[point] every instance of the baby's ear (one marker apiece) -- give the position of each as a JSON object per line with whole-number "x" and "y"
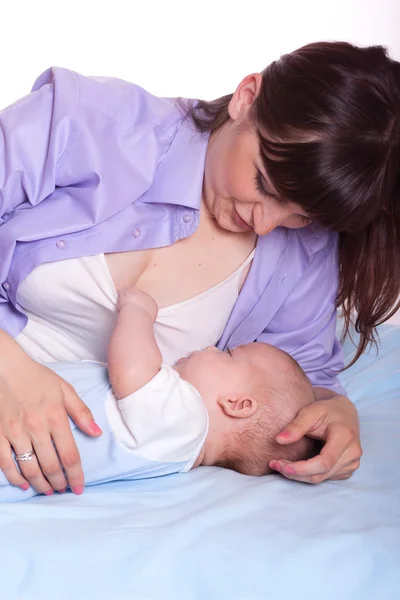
{"x": 240, "y": 408}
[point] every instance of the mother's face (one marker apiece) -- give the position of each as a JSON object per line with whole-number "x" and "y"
{"x": 237, "y": 191}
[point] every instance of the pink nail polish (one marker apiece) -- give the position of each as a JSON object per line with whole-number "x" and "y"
{"x": 94, "y": 428}
{"x": 283, "y": 434}
{"x": 24, "y": 486}
{"x": 78, "y": 489}
{"x": 290, "y": 470}
{"x": 49, "y": 493}
{"x": 62, "y": 491}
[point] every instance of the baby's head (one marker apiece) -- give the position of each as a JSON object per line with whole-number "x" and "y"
{"x": 251, "y": 393}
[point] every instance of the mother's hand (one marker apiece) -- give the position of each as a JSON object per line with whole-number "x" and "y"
{"x": 34, "y": 404}
{"x": 334, "y": 421}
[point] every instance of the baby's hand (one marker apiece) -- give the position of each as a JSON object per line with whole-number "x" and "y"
{"x": 139, "y": 300}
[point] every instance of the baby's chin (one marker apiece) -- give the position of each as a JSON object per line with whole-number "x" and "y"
{"x": 181, "y": 367}
{"x": 180, "y": 361}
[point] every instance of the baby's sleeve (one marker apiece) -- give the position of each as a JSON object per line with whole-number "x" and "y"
{"x": 168, "y": 419}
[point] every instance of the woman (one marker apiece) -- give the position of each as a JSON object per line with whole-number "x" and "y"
{"x": 104, "y": 186}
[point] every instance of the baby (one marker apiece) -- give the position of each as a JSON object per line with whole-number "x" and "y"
{"x": 211, "y": 408}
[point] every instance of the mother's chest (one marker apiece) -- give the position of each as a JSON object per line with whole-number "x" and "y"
{"x": 183, "y": 270}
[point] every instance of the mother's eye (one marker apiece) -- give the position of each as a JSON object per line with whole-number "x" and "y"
{"x": 259, "y": 182}
{"x": 305, "y": 220}
{"x": 264, "y": 188}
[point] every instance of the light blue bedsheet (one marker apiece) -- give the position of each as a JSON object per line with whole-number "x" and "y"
{"x": 216, "y": 535}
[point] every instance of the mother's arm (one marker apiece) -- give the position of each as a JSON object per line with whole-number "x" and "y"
{"x": 37, "y": 135}
{"x": 305, "y": 327}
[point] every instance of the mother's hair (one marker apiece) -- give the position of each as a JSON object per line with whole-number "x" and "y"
{"x": 328, "y": 119}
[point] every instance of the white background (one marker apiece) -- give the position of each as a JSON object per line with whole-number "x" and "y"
{"x": 192, "y": 48}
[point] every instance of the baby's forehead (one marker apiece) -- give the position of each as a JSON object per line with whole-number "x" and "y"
{"x": 266, "y": 352}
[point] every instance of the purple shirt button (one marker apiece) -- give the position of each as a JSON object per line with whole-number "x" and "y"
{"x": 6, "y": 286}
{"x": 136, "y": 233}
{"x": 60, "y": 244}
{"x": 186, "y": 218}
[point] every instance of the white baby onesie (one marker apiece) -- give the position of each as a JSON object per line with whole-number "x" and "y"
{"x": 164, "y": 421}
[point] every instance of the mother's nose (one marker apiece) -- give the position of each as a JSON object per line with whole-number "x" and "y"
{"x": 270, "y": 218}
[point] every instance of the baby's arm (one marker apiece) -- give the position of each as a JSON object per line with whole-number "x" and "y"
{"x": 133, "y": 355}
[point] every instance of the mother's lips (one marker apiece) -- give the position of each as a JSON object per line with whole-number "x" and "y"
{"x": 239, "y": 221}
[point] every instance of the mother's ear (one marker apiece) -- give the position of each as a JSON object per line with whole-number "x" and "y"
{"x": 244, "y": 96}
{"x": 242, "y": 408}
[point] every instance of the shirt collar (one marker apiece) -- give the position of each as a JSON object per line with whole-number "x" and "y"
{"x": 179, "y": 178}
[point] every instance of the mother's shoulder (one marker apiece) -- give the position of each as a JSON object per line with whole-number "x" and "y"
{"x": 125, "y": 103}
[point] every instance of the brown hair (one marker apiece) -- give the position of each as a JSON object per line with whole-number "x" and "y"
{"x": 328, "y": 119}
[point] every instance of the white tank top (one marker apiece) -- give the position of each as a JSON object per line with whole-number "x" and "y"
{"x": 71, "y": 310}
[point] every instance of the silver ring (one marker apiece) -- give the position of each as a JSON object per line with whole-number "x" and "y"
{"x": 25, "y": 456}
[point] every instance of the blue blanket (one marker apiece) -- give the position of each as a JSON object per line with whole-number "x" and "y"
{"x": 217, "y": 535}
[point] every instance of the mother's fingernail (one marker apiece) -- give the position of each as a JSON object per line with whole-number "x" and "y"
{"x": 62, "y": 491}
{"x": 24, "y": 486}
{"x": 78, "y": 489}
{"x": 49, "y": 493}
{"x": 94, "y": 428}
{"x": 283, "y": 434}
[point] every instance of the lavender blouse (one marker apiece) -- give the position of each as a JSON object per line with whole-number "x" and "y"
{"x": 91, "y": 165}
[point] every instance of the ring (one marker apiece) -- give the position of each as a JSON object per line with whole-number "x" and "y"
{"x": 26, "y": 456}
